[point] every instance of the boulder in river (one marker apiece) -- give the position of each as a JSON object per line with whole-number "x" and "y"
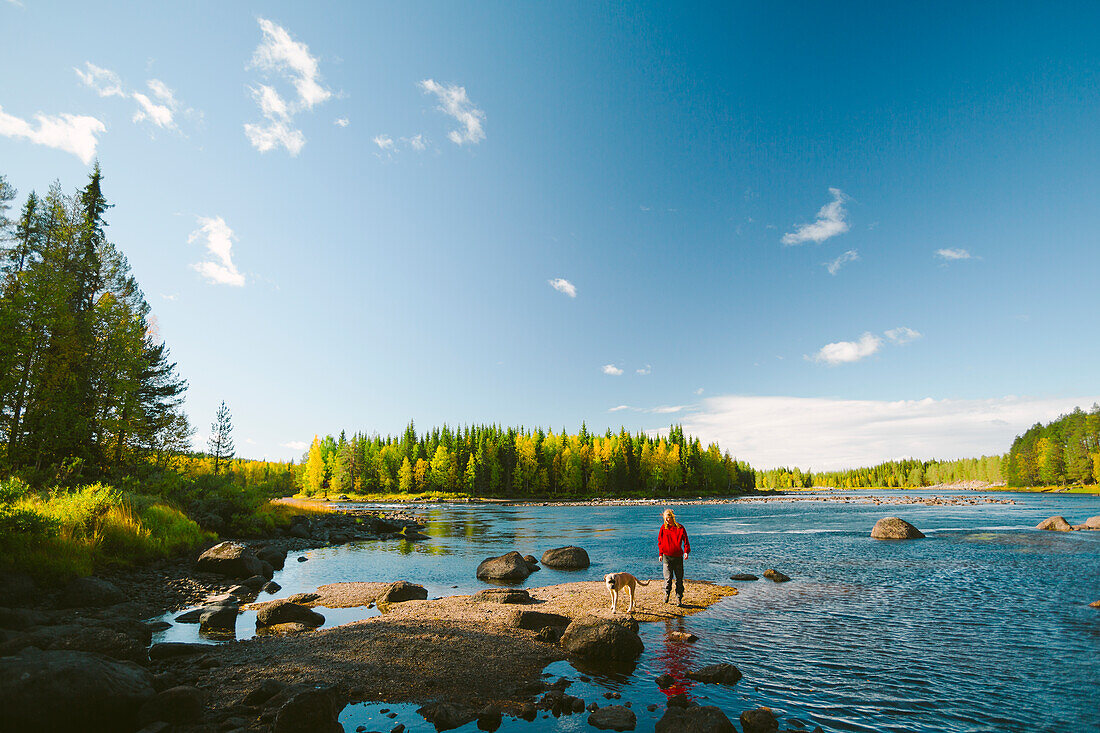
{"x": 70, "y": 690}
{"x": 510, "y": 568}
{"x": 1055, "y": 524}
{"x": 273, "y": 556}
{"x": 744, "y": 576}
{"x": 1095, "y": 604}
{"x": 721, "y": 673}
{"x": 286, "y": 612}
{"x": 1092, "y": 523}
{"x": 776, "y": 576}
{"x": 83, "y": 592}
{"x": 694, "y": 719}
{"x": 501, "y": 595}
{"x": 401, "y": 591}
{"x": 218, "y": 620}
{"x": 893, "y": 528}
{"x": 760, "y": 720}
{"x": 665, "y": 681}
{"x": 566, "y": 558}
{"x": 613, "y": 717}
{"x": 445, "y": 716}
{"x": 311, "y": 711}
{"x": 271, "y": 587}
{"x": 599, "y": 639}
{"x": 231, "y": 559}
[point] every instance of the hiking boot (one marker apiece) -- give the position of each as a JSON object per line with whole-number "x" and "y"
{"x": 667, "y": 594}
{"x": 679, "y": 600}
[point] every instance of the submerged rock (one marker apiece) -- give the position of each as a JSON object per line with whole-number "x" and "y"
{"x": 566, "y": 558}
{"x": 510, "y": 568}
{"x": 760, "y": 720}
{"x": 744, "y": 576}
{"x": 602, "y": 640}
{"x": 776, "y": 576}
{"x": 707, "y": 719}
{"x": 613, "y": 717}
{"x": 893, "y": 528}
{"x": 722, "y": 673}
{"x": 1055, "y": 524}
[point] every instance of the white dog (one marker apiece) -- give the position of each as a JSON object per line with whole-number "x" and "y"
{"x": 616, "y": 583}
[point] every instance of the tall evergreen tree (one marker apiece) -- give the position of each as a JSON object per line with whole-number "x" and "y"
{"x": 220, "y": 443}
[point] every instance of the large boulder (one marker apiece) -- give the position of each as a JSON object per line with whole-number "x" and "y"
{"x": 445, "y": 716}
{"x": 401, "y": 591}
{"x": 83, "y": 592}
{"x": 744, "y": 576}
{"x": 722, "y": 673}
{"x": 74, "y": 637}
{"x": 286, "y": 612}
{"x": 68, "y": 690}
{"x": 599, "y": 639}
{"x": 706, "y": 719}
{"x": 219, "y": 620}
{"x": 232, "y": 560}
{"x": 510, "y": 568}
{"x": 537, "y": 620}
{"x": 1092, "y": 523}
{"x": 273, "y": 556}
{"x": 176, "y": 705}
{"x": 613, "y": 717}
{"x": 566, "y": 558}
{"x": 893, "y": 528}
{"x": 311, "y": 711}
{"x": 775, "y": 576}
{"x": 760, "y": 720}
{"x": 1056, "y": 524}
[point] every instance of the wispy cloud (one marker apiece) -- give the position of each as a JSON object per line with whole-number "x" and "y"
{"x": 951, "y": 255}
{"x": 219, "y": 268}
{"x": 902, "y": 335}
{"x": 159, "y": 109}
{"x": 647, "y": 369}
{"x": 834, "y": 266}
{"x": 699, "y": 391}
{"x": 341, "y": 122}
{"x": 829, "y": 434}
{"x": 846, "y": 352}
{"x": 454, "y": 102}
{"x": 298, "y": 445}
{"x": 280, "y": 56}
{"x": 170, "y": 296}
{"x": 74, "y": 134}
{"x": 563, "y": 286}
{"x": 611, "y": 370}
{"x": 384, "y": 142}
{"x": 660, "y": 410}
{"x": 830, "y": 222}
{"x": 418, "y": 143}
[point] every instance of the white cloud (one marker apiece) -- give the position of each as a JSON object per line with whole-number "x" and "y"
{"x": 454, "y": 102}
{"x": 620, "y": 408}
{"x": 951, "y": 255}
{"x": 830, "y": 222}
{"x": 74, "y": 134}
{"x": 280, "y": 55}
{"x": 104, "y": 81}
{"x": 418, "y": 143}
{"x": 385, "y": 142}
{"x": 830, "y": 434}
{"x": 834, "y": 266}
{"x": 342, "y": 122}
{"x": 107, "y": 83}
{"x": 699, "y": 391}
{"x": 298, "y": 445}
{"x": 611, "y": 370}
{"x": 661, "y": 410}
{"x": 172, "y": 296}
{"x": 903, "y": 335}
{"x": 644, "y": 370}
{"x": 563, "y": 286}
{"x": 219, "y": 238}
{"x": 845, "y": 352}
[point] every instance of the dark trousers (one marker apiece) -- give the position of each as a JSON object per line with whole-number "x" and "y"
{"x": 673, "y": 566}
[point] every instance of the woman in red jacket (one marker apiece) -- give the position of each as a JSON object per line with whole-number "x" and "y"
{"x": 670, "y": 539}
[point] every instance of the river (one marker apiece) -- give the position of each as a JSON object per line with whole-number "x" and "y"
{"x": 982, "y": 626}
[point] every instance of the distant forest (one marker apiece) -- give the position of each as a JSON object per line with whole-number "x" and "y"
{"x": 489, "y": 460}
{"x": 1065, "y": 451}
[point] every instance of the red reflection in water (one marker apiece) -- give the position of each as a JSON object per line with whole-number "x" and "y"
{"x": 677, "y": 658}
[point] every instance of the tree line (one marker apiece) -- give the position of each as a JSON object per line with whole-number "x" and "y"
{"x": 1064, "y": 451}
{"x": 489, "y": 460}
{"x": 908, "y": 473}
{"x": 85, "y": 381}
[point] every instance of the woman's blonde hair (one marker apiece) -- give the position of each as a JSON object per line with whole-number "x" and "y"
{"x": 668, "y": 514}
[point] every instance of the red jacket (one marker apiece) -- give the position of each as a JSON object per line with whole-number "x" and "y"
{"x": 669, "y": 540}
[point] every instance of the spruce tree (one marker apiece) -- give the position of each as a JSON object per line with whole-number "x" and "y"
{"x": 220, "y": 443}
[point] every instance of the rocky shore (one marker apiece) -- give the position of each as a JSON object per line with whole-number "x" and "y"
{"x": 822, "y": 496}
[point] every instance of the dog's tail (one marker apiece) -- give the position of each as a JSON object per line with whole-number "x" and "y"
{"x": 643, "y": 582}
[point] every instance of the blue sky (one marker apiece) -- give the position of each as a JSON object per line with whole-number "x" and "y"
{"x": 821, "y": 235}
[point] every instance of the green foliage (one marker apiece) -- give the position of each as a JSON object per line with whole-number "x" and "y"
{"x": 1064, "y": 451}
{"x": 489, "y": 460}
{"x": 908, "y": 473}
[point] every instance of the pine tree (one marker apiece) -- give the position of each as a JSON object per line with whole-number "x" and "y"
{"x": 220, "y": 443}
